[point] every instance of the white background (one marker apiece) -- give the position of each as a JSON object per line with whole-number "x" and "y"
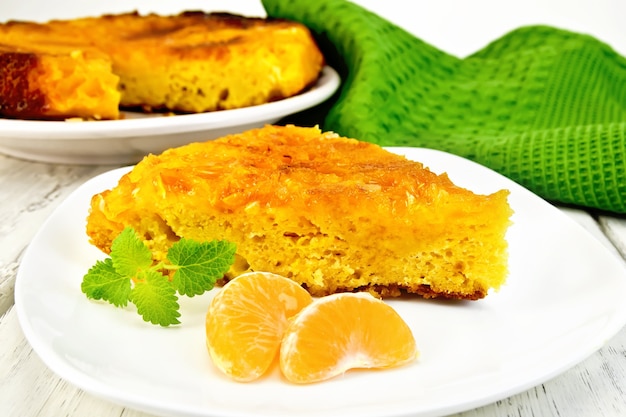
{"x": 456, "y": 26}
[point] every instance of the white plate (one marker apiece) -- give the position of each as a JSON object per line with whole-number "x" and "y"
{"x": 126, "y": 141}
{"x": 563, "y": 300}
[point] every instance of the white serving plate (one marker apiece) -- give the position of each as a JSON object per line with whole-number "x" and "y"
{"x": 126, "y": 141}
{"x": 562, "y": 301}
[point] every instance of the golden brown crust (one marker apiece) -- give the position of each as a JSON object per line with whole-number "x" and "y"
{"x": 16, "y": 98}
{"x": 190, "y": 62}
{"x": 332, "y": 213}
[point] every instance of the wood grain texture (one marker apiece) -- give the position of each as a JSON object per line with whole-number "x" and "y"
{"x": 615, "y": 230}
{"x": 29, "y": 192}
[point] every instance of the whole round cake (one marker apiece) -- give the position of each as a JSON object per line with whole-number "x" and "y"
{"x": 191, "y": 62}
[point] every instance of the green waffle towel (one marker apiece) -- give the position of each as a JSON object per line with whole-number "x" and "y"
{"x": 543, "y": 106}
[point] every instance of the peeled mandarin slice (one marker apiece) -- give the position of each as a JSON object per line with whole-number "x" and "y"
{"x": 341, "y": 332}
{"x": 246, "y": 320}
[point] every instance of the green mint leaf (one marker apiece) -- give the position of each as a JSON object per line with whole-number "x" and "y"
{"x": 103, "y": 282}
{"x": 156, "y": 299}
{"x": 200, "y": 264}
{"x": 131, "y": 275}
{"x": 130, "y": 255}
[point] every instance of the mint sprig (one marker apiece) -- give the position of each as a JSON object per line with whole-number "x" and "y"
{"x": 130, "y": 275}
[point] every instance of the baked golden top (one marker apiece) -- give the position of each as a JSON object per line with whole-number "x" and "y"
{"x": 332, "y": 213}
{"x": 299, "y": 168}
{"x": 190, "y": 62}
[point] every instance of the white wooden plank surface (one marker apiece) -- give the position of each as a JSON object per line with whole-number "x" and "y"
{"x": 29, "y": 192}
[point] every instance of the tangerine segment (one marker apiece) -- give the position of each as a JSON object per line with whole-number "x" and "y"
{"x": 341, "y": 332}
{"x": 246, "y": 320}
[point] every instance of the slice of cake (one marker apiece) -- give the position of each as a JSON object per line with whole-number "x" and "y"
{"x": 332, "y": 213}
{"x": 190, "y": 62}
{"x": 57, "y": 83}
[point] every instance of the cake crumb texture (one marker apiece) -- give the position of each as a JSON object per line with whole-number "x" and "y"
{"x": 332, "y": 213}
